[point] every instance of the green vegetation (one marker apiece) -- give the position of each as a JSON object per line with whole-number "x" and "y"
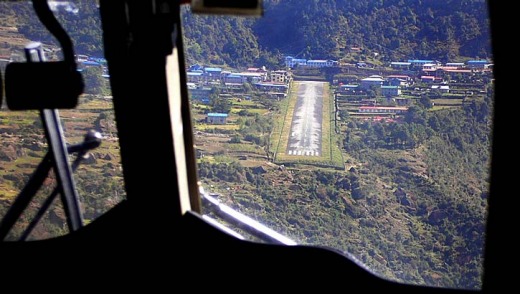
{"x": 84, "y": 28}
{"x": 399, "y": 208}
{"x": 279, "y": 122}
{"x": 284, "y": 123}
{"x": 95, "y": 83}
{"x": 395, "y": 30}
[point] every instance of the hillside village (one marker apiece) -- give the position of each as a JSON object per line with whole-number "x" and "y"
{"x": 361, "y": 89}
{"x": 365, "y": 84}
{"x": 390, "y": 93}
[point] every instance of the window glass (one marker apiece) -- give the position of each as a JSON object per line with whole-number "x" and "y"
{"x": 362, "y": 126}
{"x": 98, "y": 177}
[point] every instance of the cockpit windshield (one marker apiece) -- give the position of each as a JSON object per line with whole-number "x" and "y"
{"x": 360, "y": 126}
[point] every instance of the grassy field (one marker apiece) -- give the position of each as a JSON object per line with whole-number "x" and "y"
{"x": 282, "y": 125}
{"x": 446, "y": 103}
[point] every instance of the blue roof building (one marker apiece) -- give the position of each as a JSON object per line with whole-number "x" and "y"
{"x": 216, "y": 118}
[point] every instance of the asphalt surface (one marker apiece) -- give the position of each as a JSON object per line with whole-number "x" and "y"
{"x": 306, "y": 129}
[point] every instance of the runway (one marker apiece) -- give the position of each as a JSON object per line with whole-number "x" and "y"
{"x": 306, "y": 128}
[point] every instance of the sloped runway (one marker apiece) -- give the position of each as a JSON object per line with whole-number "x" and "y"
{"x": 306, "y": 128}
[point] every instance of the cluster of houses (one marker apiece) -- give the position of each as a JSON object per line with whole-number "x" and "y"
{"x": 436, "y": 72}
{"x": 273, "y": 82}
{"x": 84, "y": 61}
{"x": 480, "y": 64}
{"x": 390, "y": 86}
{"x": 427, "y": 72}
{"x": 430, "y": 72}
{"x": 203, "y": 81}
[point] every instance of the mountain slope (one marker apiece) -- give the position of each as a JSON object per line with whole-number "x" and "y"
{"x": 323, "y": 29}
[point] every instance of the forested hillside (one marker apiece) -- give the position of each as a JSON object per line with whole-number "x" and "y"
{"x": 323, "y": 29}
{"x": 320, "y": 29}
{"x": 84, "y": 27}
{"x": 411, "y": 205}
